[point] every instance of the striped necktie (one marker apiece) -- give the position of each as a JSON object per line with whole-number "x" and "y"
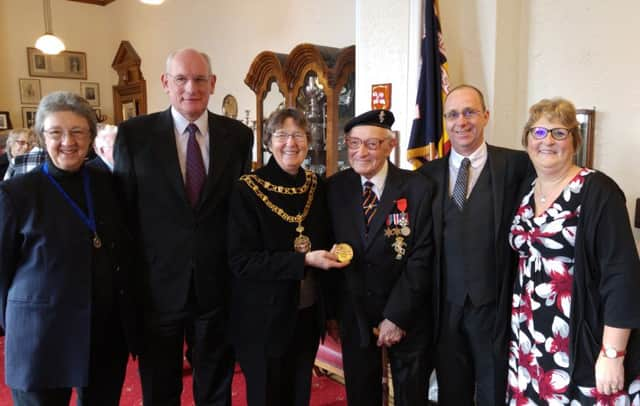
{"x": 369, "y": 202}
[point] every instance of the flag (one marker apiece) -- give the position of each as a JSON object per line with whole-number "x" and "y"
{"x": 429, "y": 138}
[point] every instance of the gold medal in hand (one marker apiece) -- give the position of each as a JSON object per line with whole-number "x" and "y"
{"x": 344, "y": 252}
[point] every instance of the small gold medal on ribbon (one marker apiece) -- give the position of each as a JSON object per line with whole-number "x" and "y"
{"x": 344, "y": 252}
{"x": 97, "y": 242}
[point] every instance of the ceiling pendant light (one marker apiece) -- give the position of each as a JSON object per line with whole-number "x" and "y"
{"x": 152, "y": 2}
{"x": 49, "y": 43}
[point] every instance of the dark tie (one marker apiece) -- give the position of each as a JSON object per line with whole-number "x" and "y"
{"x": 369, "y": 202}
{"x": 459, "y": 194}
{"x": 195, "y": 174}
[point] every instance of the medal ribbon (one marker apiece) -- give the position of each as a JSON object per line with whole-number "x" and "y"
{"x": 90, "y": 219}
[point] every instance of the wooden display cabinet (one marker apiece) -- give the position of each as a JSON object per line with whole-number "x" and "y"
{"x": 318, "y": 80}
{"x": 130, "y": 94}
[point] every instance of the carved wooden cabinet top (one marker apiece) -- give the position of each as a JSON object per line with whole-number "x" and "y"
{"x": 127, "y": 64}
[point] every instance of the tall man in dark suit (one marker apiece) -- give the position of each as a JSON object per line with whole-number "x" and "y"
{"x": 384, "y": 214}
{"x": 176, "y": 169}
{"x": 472, "y": 212}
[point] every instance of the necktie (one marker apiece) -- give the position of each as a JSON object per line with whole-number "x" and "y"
{"x": 369, "y": 202}
{"x": 195, "y": 173}
{"x": 459, "y": 194}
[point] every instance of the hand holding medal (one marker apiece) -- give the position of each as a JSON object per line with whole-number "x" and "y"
{"x": 344, "y": 252}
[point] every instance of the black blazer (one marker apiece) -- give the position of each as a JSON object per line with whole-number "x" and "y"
{"x": 179, "y": 244}
{"x": 266, "y": 269}
{"x": 46, "y": 283}
{"x": 376, "y": 284}
{"x": 510, "y": 171}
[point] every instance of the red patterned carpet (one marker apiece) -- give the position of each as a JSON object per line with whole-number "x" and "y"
{"x": 324, "y": 391}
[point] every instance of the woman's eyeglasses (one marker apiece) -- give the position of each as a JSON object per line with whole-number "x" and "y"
{"x": 558, "y": 134}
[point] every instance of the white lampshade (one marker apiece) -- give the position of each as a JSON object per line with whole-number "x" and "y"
{"x": 50, "y": 44}
{"x": 152, "y": 2}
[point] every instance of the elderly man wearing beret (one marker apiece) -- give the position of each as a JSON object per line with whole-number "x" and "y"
{"x": 384, "y": 214}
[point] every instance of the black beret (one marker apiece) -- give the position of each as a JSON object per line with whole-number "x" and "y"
{"x": 378, "y": 118}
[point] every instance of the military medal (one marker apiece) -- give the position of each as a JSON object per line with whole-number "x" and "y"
{"x": 398, "y": 227}
{"x": 399, "y": 247}
{"x": 344, "y": 252}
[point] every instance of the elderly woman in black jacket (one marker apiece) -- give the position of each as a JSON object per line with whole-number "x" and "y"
{"x": 65, "y": 298}
{"x": 576, "y": 301}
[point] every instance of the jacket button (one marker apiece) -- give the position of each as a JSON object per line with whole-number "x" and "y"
{"x": 116, "y": 268}
{"x": 369, "y": 293}
{"x": 121, "y": 292}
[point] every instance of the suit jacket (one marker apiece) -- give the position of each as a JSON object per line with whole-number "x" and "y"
{"x": 4, "y": 164}
{"x": 266, "y": 270}
{"x": 46, "y": 279}
{"x": 376, "y": 284}
{"x": 510, "y": 170}
{"x": 99, "y": 164}
{"x": 180, "y": 248}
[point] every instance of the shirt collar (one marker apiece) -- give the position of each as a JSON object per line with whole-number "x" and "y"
{"x": 477, "y": 157}
{"x": 181, "y": 123}
{"x": 378, "y": 179}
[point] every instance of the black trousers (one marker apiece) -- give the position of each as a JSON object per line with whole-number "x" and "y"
{"x": 107, "y": 369}
{"x": 162, "y": 358}
{"x": 409, "y": 362}
{"x": 467, "y": 366}
{"x": 283, "y": 380}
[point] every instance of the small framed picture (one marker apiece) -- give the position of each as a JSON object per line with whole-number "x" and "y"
{"x": 129, "y": 110}
{"x": 5, "y": 120}
{"x": 91, "y": 92}
{"x": 29, "y": 116}
{"x": 67, "y": 64}
{"x": 30, "y": 91}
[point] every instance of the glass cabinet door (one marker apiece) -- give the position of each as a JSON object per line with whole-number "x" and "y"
{"x": 312, "y": 100}
{"x": 346, "y": 111}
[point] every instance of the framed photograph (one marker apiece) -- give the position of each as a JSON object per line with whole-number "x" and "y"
{"x": 29, "y": 116}
{"x": 587, "y": 120}
{"x": 67, "y": 64}
{"x": 129, "y": 110}
{"x": 30, "y": 91}
{"x": 5, "y": 121}
{"x": 91, "y": 92}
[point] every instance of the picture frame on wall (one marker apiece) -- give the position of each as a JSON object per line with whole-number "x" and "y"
{"x": 66, "y": 65}
{"x": 29, "y": 116}
{"x": 91, "y": 92}
{"x": 5, "y": 120}
{"x": 587, "y": 120}
{"x": 30, "y": 92}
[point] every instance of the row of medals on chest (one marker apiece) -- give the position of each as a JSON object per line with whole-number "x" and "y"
{"x": 302, "y": 243}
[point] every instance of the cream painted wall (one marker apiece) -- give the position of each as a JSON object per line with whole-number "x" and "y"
{"x": 233, "y": 33}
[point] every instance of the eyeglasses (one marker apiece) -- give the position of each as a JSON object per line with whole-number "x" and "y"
{"x": 56, "y": 134}
{"x": 283, "y": 136}
{"x": 466, "y": 113}
{"x": 540, "y": 133}
{"x": 21, "y": 143}
{"x": 372, "y": 144}
{"x": 182, "y": 80}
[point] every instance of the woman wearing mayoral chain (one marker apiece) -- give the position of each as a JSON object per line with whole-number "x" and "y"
{"x": 65, "y": 299}
{"x": 279, "y": 238}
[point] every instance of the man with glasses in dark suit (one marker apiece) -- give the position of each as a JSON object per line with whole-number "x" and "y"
{"x": 176, "y": 169}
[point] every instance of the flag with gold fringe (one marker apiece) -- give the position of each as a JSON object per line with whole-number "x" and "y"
{"x": 429, "y": 138}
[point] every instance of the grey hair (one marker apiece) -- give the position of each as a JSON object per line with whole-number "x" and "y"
{"x": 64, "y": 101}
{"x": 172, "y": 55}
{"x": 13, "y": 136}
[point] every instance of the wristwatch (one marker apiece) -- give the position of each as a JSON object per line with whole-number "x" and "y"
{"x": 611, "y": 352}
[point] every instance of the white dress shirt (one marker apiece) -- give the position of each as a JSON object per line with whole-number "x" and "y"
{"x": 378, "y": 180}
{"x": 182, "y": 138}
{"x": 478, "y": 159}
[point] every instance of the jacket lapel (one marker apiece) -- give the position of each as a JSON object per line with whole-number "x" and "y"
{"x": 218, "y": 156}
{"x": 164, "y": 147}
{"x": 498, "y": 168}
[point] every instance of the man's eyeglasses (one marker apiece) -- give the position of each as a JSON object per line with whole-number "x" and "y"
{"x": 56, "y": 134}
{"x": 466, "y": 113}
{"x": 182, "y": 80}
{"x": 558, "y": 134}
{"x": 372, "y": 144}
{"x": 283, "y": 136}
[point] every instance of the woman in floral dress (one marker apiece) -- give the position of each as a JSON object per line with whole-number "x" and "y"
{"x": 576, "y": 299}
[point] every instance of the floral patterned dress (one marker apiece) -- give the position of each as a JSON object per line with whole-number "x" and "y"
{"x": 539, "y": 347}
